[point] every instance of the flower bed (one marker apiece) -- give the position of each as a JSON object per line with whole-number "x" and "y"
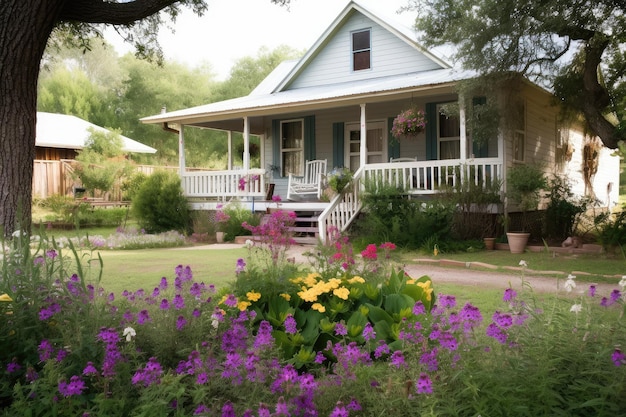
{"x": 350, "y": 335}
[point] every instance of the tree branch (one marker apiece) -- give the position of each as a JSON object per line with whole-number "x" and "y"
{"x": 98, "y": 11}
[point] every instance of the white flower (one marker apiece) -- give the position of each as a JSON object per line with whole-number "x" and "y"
{"x": 129, "y": 333}
{"x": 17, "y": 233}
{"x": 622, "y": 282}
{"x": 570, "y": 284}
{"x": 215, "y": 323}
{"x": 523, "y": 263}
{"x": 576, "y": 308}
{"x": 249, "y": 243}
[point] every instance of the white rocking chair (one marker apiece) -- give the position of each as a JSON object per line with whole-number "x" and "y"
{"x": 311, "y": 184}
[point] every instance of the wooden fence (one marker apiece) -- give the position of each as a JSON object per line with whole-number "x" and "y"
{"x": 55, "y": 177}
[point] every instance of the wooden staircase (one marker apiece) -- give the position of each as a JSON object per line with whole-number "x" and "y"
{"x": 306, "y": 228}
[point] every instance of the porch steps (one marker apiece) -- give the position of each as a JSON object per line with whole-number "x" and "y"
{"x": 306, "y": 229}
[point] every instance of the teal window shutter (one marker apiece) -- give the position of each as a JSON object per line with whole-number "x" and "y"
{"x": 276, "y": 147}
{"x": 393, "y": 144}
{"x": 431, "y": 131}
{"x": 309, "y": 138}
{"x": 480, "y": 150}
{"x": 338, "y": 144}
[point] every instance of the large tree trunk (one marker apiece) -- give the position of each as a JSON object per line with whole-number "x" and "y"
{"x": 25, "y": 26}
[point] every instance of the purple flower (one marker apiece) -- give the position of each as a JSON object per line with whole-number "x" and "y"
{"x": 496, "y": 332}
{"x": 618, "y": 357}
{"x": 381, "y": 350}
{"x": 150, "y": 374}
{"x": 447, "y": 301}
{"x": 419, "y": 308}
{"x": 90, "y": 369}
{"x": 228, "y": 410}
{"x": 424, "y": 384}
{"x": 45, "y": 350}
{"x": 509, "y": 295}
{"x": 39, "y": 260}
{"x": 49, "y": 312}
{"x": 231, "y": 300}
{"x": 592, "y": 290}
{"x": 615, "y": 295}
{"x": 51, "y": 253}
{"x": 264, "y": 335}
{"x": 163, "y": 284}
{"x": 13, "y": 366}
{"x": 368, "y": 332}
{"x": 143, "y": 317}
{"x": 180, "y": 322}
{"x": 397, "y": 359}
{"x": 179, "y": 302}
{"x": 339, "y": 411}
{"x": 165, "y": 305}
{"x": 430, "y": 360}
{"x": 201, "y": 409}
{"x": 340, "y": 329}
{"x": 76, "y": 386}
{"x": 354, "y": 405}
{"x": 291, "y": 326}
{"x": 241, "y": 266}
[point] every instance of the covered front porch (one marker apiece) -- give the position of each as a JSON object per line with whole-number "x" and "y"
{"x": 206, "y": 190}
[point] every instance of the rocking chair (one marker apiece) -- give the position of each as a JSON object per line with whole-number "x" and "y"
{"x": 311, "y": 183}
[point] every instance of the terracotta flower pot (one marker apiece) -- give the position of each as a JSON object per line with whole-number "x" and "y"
{"x": 490, "y": 243}
{"x": 517, "y": 241}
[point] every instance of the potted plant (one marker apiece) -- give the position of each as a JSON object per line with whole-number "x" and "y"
{"x": 409, "y": 123}
{"x": 524, "y": 183}
{"x": 338, "y": 178}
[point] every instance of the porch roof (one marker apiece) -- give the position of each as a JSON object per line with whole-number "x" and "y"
{"x": 314, "y": 98}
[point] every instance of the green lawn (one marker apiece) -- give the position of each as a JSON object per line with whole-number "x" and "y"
{"x": 135, "y": 269}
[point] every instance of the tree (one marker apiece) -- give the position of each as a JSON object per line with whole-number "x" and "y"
{"x": 574, "y": 47}
{"x": 27, "y": 26}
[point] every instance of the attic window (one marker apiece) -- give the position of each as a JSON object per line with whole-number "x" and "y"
{"x": 361, "y": 50}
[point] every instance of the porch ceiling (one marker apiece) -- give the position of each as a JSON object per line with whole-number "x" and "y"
{"x": 223, "y": 115}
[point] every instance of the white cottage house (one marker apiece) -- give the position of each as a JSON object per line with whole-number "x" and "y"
{"x": 337, "y": 104}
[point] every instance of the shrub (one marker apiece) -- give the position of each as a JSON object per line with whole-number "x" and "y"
{"x": 230, "y": 219}
{"x": 160, "y": 205}
{"x": 612, "y": 229}
{"x": 564, "y": 209}
{"x": 389, "y": 216}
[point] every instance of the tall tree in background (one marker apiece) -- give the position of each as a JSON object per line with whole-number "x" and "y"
{"x": 577, "y": 48}
{"x": 25, "y": 28}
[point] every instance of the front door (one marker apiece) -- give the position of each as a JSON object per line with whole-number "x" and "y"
{"x": 376, "y": 144}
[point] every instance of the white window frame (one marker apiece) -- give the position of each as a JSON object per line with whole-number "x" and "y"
{"x": 284, "y": 150}
{"x": 518, "y": 144}
{"x": 354, "y": 51}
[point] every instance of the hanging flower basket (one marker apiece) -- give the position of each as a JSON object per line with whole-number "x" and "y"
{"x": 409, "y": 123}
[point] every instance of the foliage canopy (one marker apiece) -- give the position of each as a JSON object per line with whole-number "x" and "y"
{"x": 575, "y": 48}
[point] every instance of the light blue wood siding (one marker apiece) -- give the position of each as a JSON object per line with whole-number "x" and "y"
{"x": 390, "y": 55}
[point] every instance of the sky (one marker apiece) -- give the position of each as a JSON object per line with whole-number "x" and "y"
{"x": 233, "y": 29}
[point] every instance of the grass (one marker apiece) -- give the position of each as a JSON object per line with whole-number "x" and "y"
{"x": 599, "y": 266}
{"x": 135, "y": 269}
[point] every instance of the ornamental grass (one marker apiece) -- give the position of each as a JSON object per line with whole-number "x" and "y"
{"x": 347, "y": 334}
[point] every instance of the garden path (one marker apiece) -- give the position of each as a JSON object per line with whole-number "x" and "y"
{"x": 454, "y": 272}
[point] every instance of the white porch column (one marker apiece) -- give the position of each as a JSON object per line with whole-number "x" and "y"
{"x": 230, "y": 150}
{"x": 463, "y": 126}
{"x": 363, "y": 150}
{"x": 246, "y": 144}
{"x": 181, "y": 151}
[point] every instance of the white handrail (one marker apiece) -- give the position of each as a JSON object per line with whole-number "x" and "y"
{"x": 224, "y": 184}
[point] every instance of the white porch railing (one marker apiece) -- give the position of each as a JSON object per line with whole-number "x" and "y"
{"x": 224, "y": 184}
{"x": 415, "y": 177}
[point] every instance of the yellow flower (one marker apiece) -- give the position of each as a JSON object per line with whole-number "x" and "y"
{"x": 334, "y": 283}
{"x": 5, "y": 298}
{"x": 410, "y": 281}
{"x": 311, "y": 279}
{"x": 427, "y": 289}
{"x": 286, "y": 296}
{"x": 356, "y": 279}
{"x": 342, "y": 293}
{"x": 308, "y": 295}
{"x": 318, "y": 307}
{"x": 243, "y": 305}
{"x": 253, "y": 296}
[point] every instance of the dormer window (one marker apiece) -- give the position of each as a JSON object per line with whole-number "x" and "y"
{"x": 361, "y": 50}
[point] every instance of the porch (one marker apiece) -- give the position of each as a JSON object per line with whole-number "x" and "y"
{"x": 207, "y": 189}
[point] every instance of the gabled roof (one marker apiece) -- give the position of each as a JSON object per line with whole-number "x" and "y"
{"x": 403, "y": 32}
{"x": 271, "y": 97}
{"x": 70, "y": 132}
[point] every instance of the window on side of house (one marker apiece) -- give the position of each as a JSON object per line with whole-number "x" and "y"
{"x": 519, "y": 131}
{"x": 448, "y": 136}
{"x": 292, "y": 147}
{"x": 361, "y": 50}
